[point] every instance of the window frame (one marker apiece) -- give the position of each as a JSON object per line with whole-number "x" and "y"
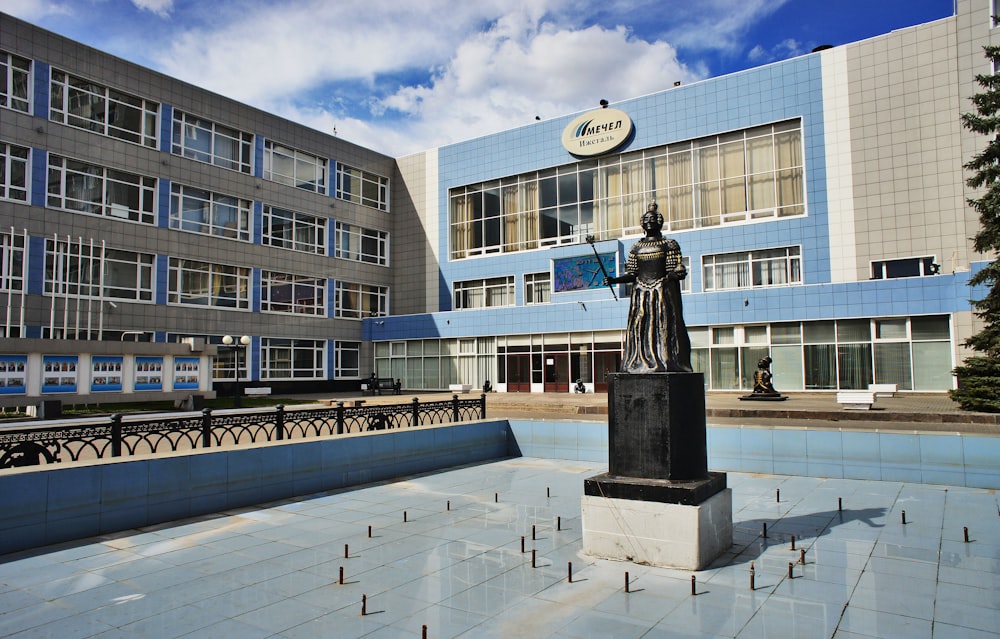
{"x": 12, "y": 67}
{"x": 184, "y": 122}
{"x": 217, "y": 277}
{"x": 64, "y": 253}
{"x": 374, "y": 188}
{"x": 8, "y": 172}
{"x": 467, "y": 292}
{"x": 745, "y": 263}
{"x": 369, "y": 296}
{"x": 340, "y": 349}
{"x": 749, "y": 175}
{"x": 272, "y": 281}
{"x": 537, "y": 284}
{"x": 147, "y": 187}
{"x": 362, "y": 235}
{"x": 66, "y": 88}
{"x": 13, "y": 262}
{"x": 291, "y": 350}
{"x": 296, "y": 158}
{"x": 213, "y": 203}
{"x": 925, "y": 264}
{"x": 296, "y": 222}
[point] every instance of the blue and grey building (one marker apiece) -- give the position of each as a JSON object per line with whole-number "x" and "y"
{"x": 820, "y": 204}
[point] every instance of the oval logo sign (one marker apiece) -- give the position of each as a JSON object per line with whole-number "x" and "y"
{"x": 597, "y": 132}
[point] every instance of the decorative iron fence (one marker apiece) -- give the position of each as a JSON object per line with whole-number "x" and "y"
{"x": 118, "y": 437}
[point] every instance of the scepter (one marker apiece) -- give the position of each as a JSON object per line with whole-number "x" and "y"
{"x": 590, "y": 240}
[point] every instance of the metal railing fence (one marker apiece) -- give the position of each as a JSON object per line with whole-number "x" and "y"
{"x": 132, "y": 436}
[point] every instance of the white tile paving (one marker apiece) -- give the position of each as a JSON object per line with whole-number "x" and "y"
{"x": 273, "y": 571}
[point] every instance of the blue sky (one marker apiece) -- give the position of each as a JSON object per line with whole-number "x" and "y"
{"x": 401, "y": 76}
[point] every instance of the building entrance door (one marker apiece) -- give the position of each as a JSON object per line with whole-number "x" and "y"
{"x": 556, "y": 373}
{"x": 604, "y": 364}
{"x": 518, "y": 373}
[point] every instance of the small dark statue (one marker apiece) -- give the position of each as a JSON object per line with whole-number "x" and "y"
{"x": 656, "y": 339}
{"x": 763, "y": 389}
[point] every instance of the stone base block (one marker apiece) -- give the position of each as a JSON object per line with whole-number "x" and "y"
{"x": 659, "y": 534}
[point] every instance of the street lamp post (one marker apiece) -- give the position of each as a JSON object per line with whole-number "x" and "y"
{"x": 237, "y": 345}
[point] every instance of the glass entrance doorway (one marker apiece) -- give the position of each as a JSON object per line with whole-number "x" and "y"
{"x": 556, "y": 373}
{"x": 604, "y": 364}
{"x": 518, "y": 373}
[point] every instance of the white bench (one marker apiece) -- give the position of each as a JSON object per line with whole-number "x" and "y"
{"x": 257, "y": 390}
{"x": 460, "y": 388}
{"x": 884, "y": 390}
{"x": 856, "y": 399}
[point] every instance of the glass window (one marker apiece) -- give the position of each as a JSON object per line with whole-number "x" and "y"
{"x": 907, "y": 267}
{"x": 207, "y": 141}
{"x": 12, "y": 268}
{"x": 724, "y": 335}
{"x": 15, "y": 78}
{"x": 208, "y": 284}
{"x": 286, "y": 293}
{"x": 295, "y": 231}
{"x": 818, "y": 332}
{"x": 361, "y": 245}
{"x": 854, "y": 330}
{"x": 725, "y": 368}
{"x": 932, "y": 364}
{"x": 292, "y": 358}
{"x": 295, "y": 168}
{"x": 485, "y": 293}
{"x": 890, "y": 329}
{"x": 934, "y": 327}
{"x": 356, "y": 301}
{"x": 755, "y": 335}
{"x": 752, "y": 269}
{"x": 96, "y": 190}
{"x": 87, "y": 105}
{"x": 364, "y": 187}
{"x": 855, "y": 364}
{"x": 537, "y": 288}
{"x": 892, "y": 364}
{"x": 820, "y": 366}
{"x": 347, "y": 360}
{"x": 786, "y": 333}
{"x": 209, "y": 213}
{"x": 731, "y": 178}
{"x": 86, "y": 269}
{"x": 13, "y": 172}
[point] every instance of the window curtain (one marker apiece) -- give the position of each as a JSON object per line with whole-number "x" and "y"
{"x": 855, "y": 363}
{"x": 633, "y": 196}
{"x": 611, "y": 178}
{"x": 461, "y": 230}
{"x": 788, "y": 151}
{"x": 679, "y": 194}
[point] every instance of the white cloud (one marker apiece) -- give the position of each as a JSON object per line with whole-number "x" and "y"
{"x": 404, "y": 77}
{"x": 716, "y": 24}
{"x": 161, "y": 8}
{"x": 35, "y": 10}
{"x": 787, "y": 48}
{"x": 505, "y": 77}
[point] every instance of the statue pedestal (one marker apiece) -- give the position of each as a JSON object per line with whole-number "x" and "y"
{"x": 657, "y": 504}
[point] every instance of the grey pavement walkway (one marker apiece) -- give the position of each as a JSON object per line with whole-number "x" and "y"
{"x": 453, "y": 562}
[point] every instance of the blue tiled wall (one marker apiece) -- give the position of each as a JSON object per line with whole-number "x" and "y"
{"x": 65, "y": 502}
{"x": 928, "y": 458}
{"x": 72, "y": 501}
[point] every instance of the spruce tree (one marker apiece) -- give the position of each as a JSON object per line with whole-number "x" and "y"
{"x": 979, "y": 376}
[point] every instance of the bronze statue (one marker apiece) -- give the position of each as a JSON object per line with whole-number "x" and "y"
{"x": 763, "y": 387}
{"x": 762, "y": 378}
{"x": 656, "y": 339}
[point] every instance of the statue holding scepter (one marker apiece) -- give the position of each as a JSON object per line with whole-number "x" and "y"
{"x": 656, "y": 338}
